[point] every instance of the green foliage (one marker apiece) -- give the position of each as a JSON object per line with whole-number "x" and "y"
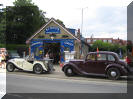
{"x": 22, "y": 20}
{"x": 104, "y": 46}
{"x": 15, "y": 46}
{"x": 2, "y": 25}
{"x": 60, "y": 22}
{"x": 23, "y": 3}
{"x": 2, "y": 45}
{"x": 129, "y": 47}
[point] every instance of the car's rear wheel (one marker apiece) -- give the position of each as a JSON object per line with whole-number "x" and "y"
{"x": 38, "y": 69}
{"x": 68, "y": 71}
{"x": 10, "y": 67}
{"x": 113, "y": 73}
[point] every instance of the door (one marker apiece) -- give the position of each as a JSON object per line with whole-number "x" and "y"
{"x": 101, "y": 63}
{"x": 27, "y": 65}
{"x": 90, "y": 63}
{"x": 19, "y": 63}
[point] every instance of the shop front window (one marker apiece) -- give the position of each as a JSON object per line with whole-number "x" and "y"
{"x": 66, "y": 49}
{"x": 36, "y": 51}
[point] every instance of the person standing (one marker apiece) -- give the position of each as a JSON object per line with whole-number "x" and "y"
{"x": 3, "y": 61}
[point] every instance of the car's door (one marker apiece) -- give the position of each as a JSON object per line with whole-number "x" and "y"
{"x": 90, "y": 63}
{"x": 101, "y": 63}
{"x": 28, "y": 64}
{"x": 19, "y": 63}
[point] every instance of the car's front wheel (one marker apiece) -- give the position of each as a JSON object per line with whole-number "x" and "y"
{"x": 113, "y": 73}
{"x": 38, "y": 69}
{"x": 68, "y": 71}
{"x": 10, "y": 67}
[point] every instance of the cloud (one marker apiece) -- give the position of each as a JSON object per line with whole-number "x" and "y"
{"x": 107, "y": 20}
{"x": 100, "y": 16}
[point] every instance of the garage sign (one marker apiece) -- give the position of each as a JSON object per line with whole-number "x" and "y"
{"x": 52, "y": 29}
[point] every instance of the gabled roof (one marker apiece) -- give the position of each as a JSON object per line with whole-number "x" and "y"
{"x": 52, "y": 19}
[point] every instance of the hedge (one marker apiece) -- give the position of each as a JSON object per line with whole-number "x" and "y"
{"x": 13, "y": 46}
{"x": 2, "y": 45}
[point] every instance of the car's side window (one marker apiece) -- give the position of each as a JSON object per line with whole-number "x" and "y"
{"x": 111, "y": 58}
{"x": 101, "y": 56}
{"x": 91, "y": 57}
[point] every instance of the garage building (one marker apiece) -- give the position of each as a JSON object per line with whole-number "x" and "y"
{"x": 53, "y": 39}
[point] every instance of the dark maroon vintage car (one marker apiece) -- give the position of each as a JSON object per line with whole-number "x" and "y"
{"x": 98, "y": 63}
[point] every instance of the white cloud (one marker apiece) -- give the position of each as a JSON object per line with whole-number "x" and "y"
{"x": 106, "y": 16}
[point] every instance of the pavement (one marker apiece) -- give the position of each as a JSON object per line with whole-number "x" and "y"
{"x": 2, "y": 82}
{"x": 2, "y": 70}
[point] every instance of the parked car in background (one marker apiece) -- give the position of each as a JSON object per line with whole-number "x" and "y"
{"x": 98, "y": 63}
{"x": 13, "y": 55}
{"x": 29, "y": 64}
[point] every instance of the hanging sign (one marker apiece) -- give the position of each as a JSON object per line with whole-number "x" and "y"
{"x": 68, "y": 43}
{"x": 36, "y": 43}
{"x": 52, "y": 29}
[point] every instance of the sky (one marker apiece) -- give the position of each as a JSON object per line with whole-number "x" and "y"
{"x": 101, "y": 18}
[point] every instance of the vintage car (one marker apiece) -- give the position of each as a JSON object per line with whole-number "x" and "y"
{"x": 98, "y": 63}
{"x": 28, "y": 64}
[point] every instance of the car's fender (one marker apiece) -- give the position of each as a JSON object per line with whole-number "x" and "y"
{"x": 41, "y": 63}
{"x": 14, "y": 63}
{"x": 75, "y": 68}
{"x": 123, "y": 71}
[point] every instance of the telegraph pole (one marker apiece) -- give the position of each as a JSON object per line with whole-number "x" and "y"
{"x": 82, "y": 19}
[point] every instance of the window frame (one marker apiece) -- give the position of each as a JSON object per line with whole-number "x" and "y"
{"x": 113, "y": 56}
{"x": 89, "y": 59}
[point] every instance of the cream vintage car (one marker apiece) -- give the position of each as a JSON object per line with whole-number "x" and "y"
{"x": 28, "y": 64}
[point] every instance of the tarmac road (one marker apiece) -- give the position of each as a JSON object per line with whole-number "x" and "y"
{"x": 40, "y": 84}
{"x": 27, "y": 85}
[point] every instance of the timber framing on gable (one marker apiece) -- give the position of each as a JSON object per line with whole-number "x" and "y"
{"x": 44, "y": 26}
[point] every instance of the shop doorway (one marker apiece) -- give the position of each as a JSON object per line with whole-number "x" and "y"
{"x": 53, "y": 50}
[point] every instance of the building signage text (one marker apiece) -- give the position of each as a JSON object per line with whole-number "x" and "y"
{"x": 52, "y": 29}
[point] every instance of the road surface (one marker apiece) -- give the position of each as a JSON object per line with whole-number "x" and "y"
{"x": 39, "y": 84}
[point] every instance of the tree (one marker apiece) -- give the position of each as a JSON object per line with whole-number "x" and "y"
{"x": 60, "y": 22}
{"x": 104, "y": 46}
{"x": 23, "y": 3}
{"x": 2, "y": 25}
{"x": 23, "y": 19}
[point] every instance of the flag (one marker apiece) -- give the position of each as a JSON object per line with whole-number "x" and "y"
{"x": 120, "y": 54}
{"x": 97, "y": 52}
{"x": 132, "y": 51}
